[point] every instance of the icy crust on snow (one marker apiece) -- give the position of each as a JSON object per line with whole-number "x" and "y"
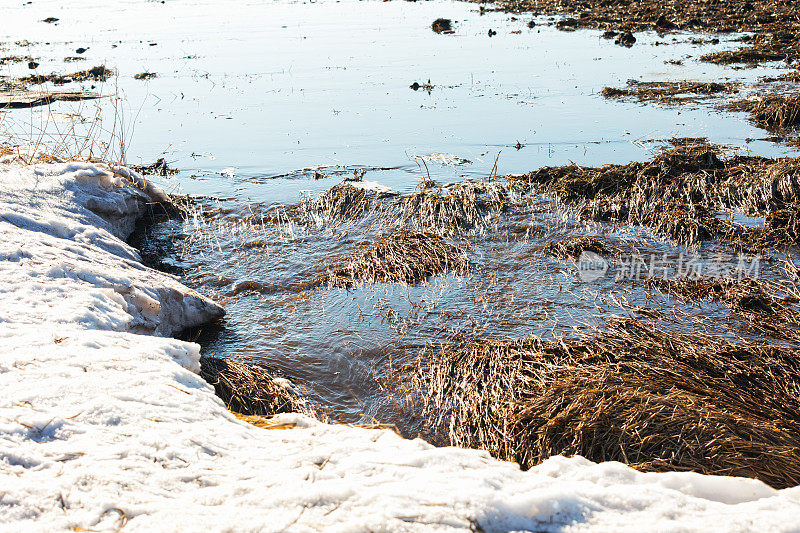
{"x": 105, "y": 429}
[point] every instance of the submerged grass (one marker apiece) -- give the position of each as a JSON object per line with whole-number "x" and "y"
{"x": 575, "y": 246}
{"x": 767, "y": 307}
{"x": 680, "y": 92}
{"x": 635, "y": 393}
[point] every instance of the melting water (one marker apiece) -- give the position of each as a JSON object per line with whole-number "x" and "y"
{"x": 264, "y": 104}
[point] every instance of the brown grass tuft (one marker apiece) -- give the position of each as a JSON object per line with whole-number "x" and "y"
{"x": 680, "y": 192}
{"x": 772, "y": 111}
{"x": 652, "y": 399}
{"x": 402, "y": 256}
{"x": 457, "y": 206}
{"x": 669, "y": 92}
{"x": 248, "y": 388}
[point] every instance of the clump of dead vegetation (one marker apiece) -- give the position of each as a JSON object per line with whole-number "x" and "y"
{"x": 765, "y": 306}
{"x": 159, "y": 167}
{"x": 15, "y": 59}
{"x": 401, "y": 256}
{"x": 444, "y": 209}
{"x": 772, "y": 111}
{"x": 145, "y": 76}
{"x": 666, "y": 92}
{"x": 343, "y": 202}
{"x": 681, "y": 192}
{"x": 248, "y": 388}
{"x": 574, "y": 247}
{"x": 442, "y": 25}
{"x": 98, "y": 74}
{"x": 776, "y": 45}
{"x": 635, "y": 393}
{"x": 457, "y": 206}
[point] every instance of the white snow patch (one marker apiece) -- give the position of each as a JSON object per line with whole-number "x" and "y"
{"x": 101, "y": 427}
{"x": 372, "y": 186}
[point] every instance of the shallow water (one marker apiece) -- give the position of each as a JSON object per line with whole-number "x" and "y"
{"x": 252, "y": 98}
{"x": 261, "y": 90}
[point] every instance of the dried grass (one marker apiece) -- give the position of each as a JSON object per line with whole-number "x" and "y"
{"x": 680, "y": 192}
{"x": 402, "y": 256}
{"x": 765, "y": 306}
{"x": 652, "y": 399}
{"x": 249, "y": 388}
{"x": 343, "y": 202}
{"x": 445, "y": 209}
{"x": 670, "y": 92}
{"x": 449, "y": 208}
{"x": 772, "y": 111}
{"x": 98, "y": 74}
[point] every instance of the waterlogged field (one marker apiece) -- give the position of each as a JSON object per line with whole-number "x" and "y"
{"x": 265, "y": 107}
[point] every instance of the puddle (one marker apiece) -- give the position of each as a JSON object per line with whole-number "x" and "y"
{"x": 261, "y": 104}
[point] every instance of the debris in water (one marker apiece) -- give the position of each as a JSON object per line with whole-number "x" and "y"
{"x": 157, "y": 168}
{"x": 100, "y": 73}
{"x": 145, "y": 76}
{"x": 20, "y": 98}
{"x": 441, "y": 25}
{"x": 626, "y": 39}
{"x": 671, "y": 92}
{"x": 424, "y": 86}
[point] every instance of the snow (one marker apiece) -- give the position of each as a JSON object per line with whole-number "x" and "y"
{"x": 372, "y": 186}
{"x": 104, "y": 423}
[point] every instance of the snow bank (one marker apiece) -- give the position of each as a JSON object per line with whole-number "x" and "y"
{"x": 102, "y": 428}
